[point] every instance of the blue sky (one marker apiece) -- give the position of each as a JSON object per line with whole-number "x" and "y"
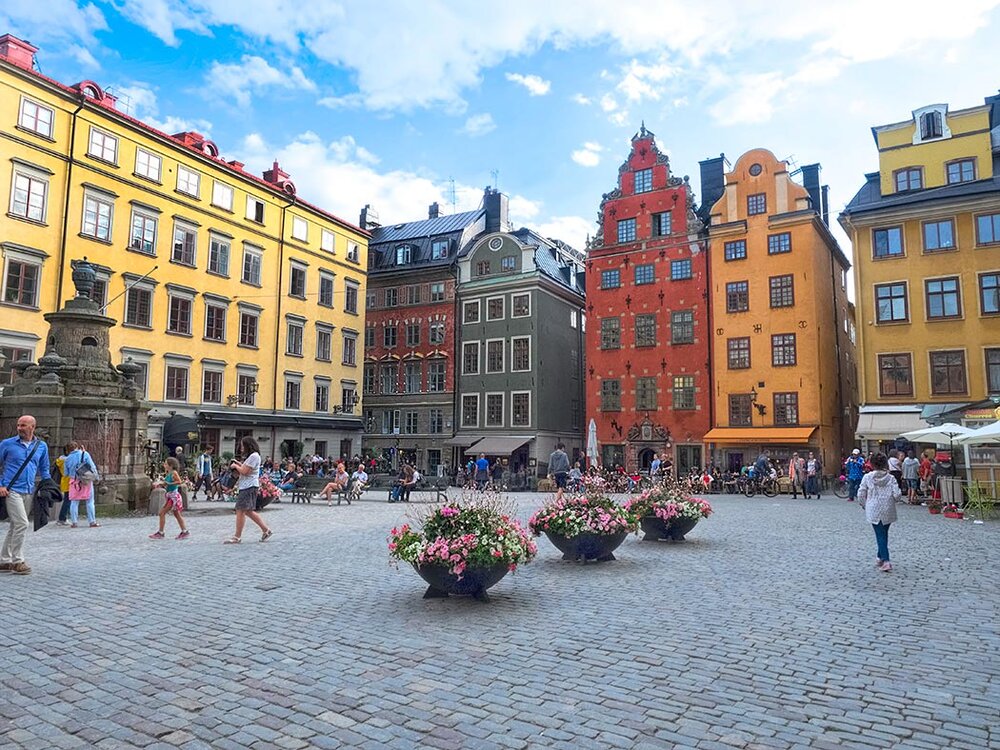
{"x": 393, "y": 102}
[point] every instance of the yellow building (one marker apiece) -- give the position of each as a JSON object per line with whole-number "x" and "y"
{"x": 783, "y": 351}
{"x": 241, "y": 302}
{"x": 926, "y": 235}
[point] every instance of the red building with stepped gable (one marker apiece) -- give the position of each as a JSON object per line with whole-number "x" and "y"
{"x": 648, "y": 332}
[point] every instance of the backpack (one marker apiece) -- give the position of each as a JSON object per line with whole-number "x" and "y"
{"x": 84, "y": 473}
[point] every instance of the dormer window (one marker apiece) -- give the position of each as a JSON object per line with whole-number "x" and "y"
{"x": 403, "y": 255}
{"x": 439, "y": 249}
{"x": 909, "y": 178}
{"x": 930, "y": 125}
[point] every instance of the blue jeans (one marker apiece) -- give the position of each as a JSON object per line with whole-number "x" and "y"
{"x": 64, "y": 508}
{"x": 812, "y": 486}
{"x": 852, "y": 488}
{"x": 74, "y": 506}
{"x": 882, "y": 540}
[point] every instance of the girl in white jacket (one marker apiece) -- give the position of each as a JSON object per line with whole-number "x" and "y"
{"x": 878, "y": 494}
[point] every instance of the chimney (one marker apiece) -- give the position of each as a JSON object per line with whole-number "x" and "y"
{"x": 496, "y": 204}
{"x": 369, "y": 218}
{"x": 825, "y": 192}
{"x": 18, "y": 52}
{"x": 236, "y": 164}
{"x": 434, "y": 211}
{"x": 810, "y": 181}
{"x": 713, "y": 184}
{"x": 275, "y": 175}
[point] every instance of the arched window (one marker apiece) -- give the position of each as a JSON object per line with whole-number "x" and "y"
{"x": 930, "y": 125}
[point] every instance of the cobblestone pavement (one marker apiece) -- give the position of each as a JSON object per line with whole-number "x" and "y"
{"x": 769, "y": 628}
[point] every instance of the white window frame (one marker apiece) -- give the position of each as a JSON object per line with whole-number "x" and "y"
{"x": 23, "y": 259}
{"x": 486, "y": 407}
{"x": 179, "y": 224}
{"x": 513, "y": 297}
{"x": 513, "y": 423}
{"x": 326, "y": 330}
{"x": 327, "y": 240}
{"x": 225, "y": 320}
{"x": 138, "y": 287}
{"x": 100, "y": 199}
{"x": 478, "y": 346}
{"x": 434, "y": 289}
{"x": 189, "y": 176}
{"x": 288, "y": 381}
{"x": 478, "y": 411}
{"x": 146, "y": 215}
{"x": 348, "y": 284}
{"x": 353, "y": 359}
{"x": 254, "y": 252}
{"x": 187, "y": 297}
{"x": 223, "y": 195}
{"x": 146, "y": 170}
{"x": 317, "y": 385}
{"x": 252, "y": 203}
{"x": 250, "y": 376}
{"x": 503, "y": 357}
{"x": 479, "y": 312}
{"x": 217, "y": 239}
{"x": 512, "y": 358}
{"x": 503, "y": 305}
{"x": 40, "y": 107}
{"x": 353, "y": 252}
{"x": 186, "y": 366}
{"x": 289, "y": 325}
{"x": 239, "y": 334}
{"x": 332, "y": 278}
{"x": 205, "y": 370}
{"x": 304, "y": 269}
{"x": 33, "y": 177}
{"x": 430, "y": 332}
{"x": 101, "y": 144}
{"x": 300, "y": 229}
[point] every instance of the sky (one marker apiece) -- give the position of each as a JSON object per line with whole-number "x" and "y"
{"x": 399, "y": 104}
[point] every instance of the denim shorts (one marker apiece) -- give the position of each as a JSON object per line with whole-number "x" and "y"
{"x": 914, "y": 484}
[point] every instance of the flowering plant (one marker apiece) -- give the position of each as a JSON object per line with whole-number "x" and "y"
{"x": 460, "y": 534}
{"x": 669, "y": 502}
{"x": 593, "y": 512}
{"x": 268, "y": 489}
{"x": 951, "y": 508}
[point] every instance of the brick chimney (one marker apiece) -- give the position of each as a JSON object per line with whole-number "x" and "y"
{"x": 18, "y": 52}
{"x": 434, "y": 211}
{"x": 275, "y": 175}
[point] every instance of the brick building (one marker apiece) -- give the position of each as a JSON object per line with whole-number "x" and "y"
{"x": 647, "y": 343}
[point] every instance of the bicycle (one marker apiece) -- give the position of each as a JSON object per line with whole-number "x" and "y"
{"x": 767, "y": 487}
{"x": 841, "y": 487}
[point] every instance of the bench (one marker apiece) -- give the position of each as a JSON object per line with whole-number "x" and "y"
{"x": 428, "y": 489}
{"x": 309, "y": 486}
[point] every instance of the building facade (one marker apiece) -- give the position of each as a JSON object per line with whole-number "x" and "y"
{"x": 648, "y": 335}
{"x": 241, "y": 303}
{"x": 783, "y": 348}
{"x": 926, "y": 235}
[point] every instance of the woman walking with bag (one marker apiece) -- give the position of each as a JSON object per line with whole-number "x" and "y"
{"x": 82, "y": 473}
{"x": 248, "y": 487}
{"x": 878, "y": 494}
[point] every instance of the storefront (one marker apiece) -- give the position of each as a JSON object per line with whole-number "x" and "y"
{"x": 736, "y": 447}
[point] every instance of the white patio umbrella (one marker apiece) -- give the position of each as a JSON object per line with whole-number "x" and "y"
{"x": 592, "y": 442}
{"x": 943, "y": 433}
{"x": 984, "y": 435}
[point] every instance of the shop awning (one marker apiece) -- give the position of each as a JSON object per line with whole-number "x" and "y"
{"x": 759, "y": 435}
{"x": 180, "y": 430}
{"x": 498, "y": 445}
{"x": 244, "y": 418}
{"x": 462, "y": 441}
{"x": 888, "y": 425}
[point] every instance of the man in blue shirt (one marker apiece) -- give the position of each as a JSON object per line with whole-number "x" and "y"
{"x": 855, "y": 468}
{"x": 14, "y": 451}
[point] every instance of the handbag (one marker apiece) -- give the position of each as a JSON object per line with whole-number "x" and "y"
{"x": 80, "y": 490}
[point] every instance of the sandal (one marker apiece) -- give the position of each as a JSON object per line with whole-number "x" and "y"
{"x": 232, "y": 540}
{"x": 266, "y": 535}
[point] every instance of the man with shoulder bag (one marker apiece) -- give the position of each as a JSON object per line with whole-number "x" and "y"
{"x": 24, "y": 459}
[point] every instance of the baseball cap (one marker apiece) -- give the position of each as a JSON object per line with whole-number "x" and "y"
{"x": 856, "y": 452}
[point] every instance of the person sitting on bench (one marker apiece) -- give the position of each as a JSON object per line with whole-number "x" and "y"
{"x": 359, "y": 481}
{"x": 337, "y": 484}
{"x": 407, "y": 481}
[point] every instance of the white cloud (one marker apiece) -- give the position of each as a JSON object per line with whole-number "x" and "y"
{"x": 56, "y": 27}
{"x": 139, "y": 100}
{"x": 640, "y": 81}
{"x": 608, "y": 103}
{"x": 478, "y": 125}
{"x": 535, "y": 85}
{"x": 581, "y": 99}
{"x": 589, "y": 155}
{"x": 238, "y": 80}
{"x": 751, "y": 100}
{"x": 523, "y": 210}
{"x": 572, "y": 230}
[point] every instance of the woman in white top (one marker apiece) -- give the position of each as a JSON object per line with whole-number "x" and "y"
{"x": 878, "y": 494}
{"x": 248, "y": 486}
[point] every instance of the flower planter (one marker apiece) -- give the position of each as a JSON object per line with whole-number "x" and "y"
{"x": 934, "y": 511}
{"x": 655, "y": 529}
{"x": 473, "y": 582}
{"x": 955, "y": 514}
{"x": 587, "y": 546}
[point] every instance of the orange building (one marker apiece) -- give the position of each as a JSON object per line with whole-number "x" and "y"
{"x": 783, "y": 333}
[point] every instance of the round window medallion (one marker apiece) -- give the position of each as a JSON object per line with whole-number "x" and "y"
{"x": 496, "y": 243}
{"x": 755, "y": 169}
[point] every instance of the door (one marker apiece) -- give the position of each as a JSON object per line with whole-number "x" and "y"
{"x": 734, "y": 462}
{"x": 645, "y": 459}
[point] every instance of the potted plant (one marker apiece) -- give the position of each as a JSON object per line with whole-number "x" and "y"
{"x": 588, "y": 526}
{"x": 934, "y": 505}
{"x": 952, "y": 511}
{"x": 464, "y": 547}
{"x": 667, "y": 512}
{"x": 267, "y": 493}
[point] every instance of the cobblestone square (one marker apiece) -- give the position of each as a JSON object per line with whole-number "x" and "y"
{"x": 769, "y": 628}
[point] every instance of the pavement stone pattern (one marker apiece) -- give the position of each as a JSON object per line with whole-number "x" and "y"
{"x": 768, "y": 628}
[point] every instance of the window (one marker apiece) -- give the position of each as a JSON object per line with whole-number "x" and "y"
{"x": 413, "y": 294}
{"x": 483, "y": 268}
{"x": 350, "y": 349}
{"x": 756, "y": 204}
{"x": 470, "y": 358}
{"x": 494, "y": 308}
{"x": 494, "y": 355}
{"x": 948, "y": 373}
{"x": 494, "y": 410}
{"x": 325, "y": 289}
{"x": 611, "y": 333}
{"x": 324, "y": 344}
{"x": 12, "y": 354}
{"x": 644, "y": 274}
{"x": 508, "y": 263}
{"x": 248, "y": 329}
{"x": 735, "y": 250}
{"x": 139, "y": 307}
{"x": 97, "y": 215}
{"x": 680, "y": 269}
{"x": 179, "y": 317}
{"x": 297, "y": 281}
{"x": 783, "y": 350}
{"x": 246, "y": 389}
{"x": 782, "y": 290}
{"x": 930, "y": 125}
{"x": 939, "y": 235}
{"x": 611, "y": 395}
{"x": 29, "y": 195}
{"x": 626, "y": 230}
{"x": 887, "y": 242}
{"x": 222, "y": 196}
{"x": 211, "y": 387}
{"x": 740, "y": 410}
{"x": 470, "y": 312}
{"x": 437, "y": 292}
{"x": 645, "y": 330}
{"x": 963, "y": 170}
{"x": 185, "y": 244}
{"x": 988, "y": 229}
{"x": 21, "y": 283}
{"x": 520, "y": 354}
{"x": 218, "y": 255}
{"x": 910, "y": 178}
{"x": 369, "y": 336}
{"x": 353, "y": 252}
{"x": 147, "y": 165}
{"x": 410, "y": 422}
{"x": 943, "y": 298}
{"x": 176, "y": 383}
{"x": 251, "y": 266}
{"x": 412, "y": 377}
{"x": 293, "y": 394}
{"x": 143, "y": 232}
{"x": 520, "y": 306}
{"x": 215, "y": 322}
{"x": 737, "y": 296}
{"x": 435, "y": 333}
{"x": 188, "y": 181}
{"x": 779, "y": 243}
{"x": 989, "y": 293}
{"x": 643, "y": 180}
{"x": 738, "y": 350}
{"x": 645, "y": 394}
{"x": 389, "y": 337}
{"x": 293, "y": 338}
{"x": 683, "y": 392}
{"x": 36, "y": 118}
{"x": 300, "y": 229}
{"x": 611, "y": 279}
{"x": 390, "y": 422}
{"x": 389, "y": 377}
{"x": 661, "y": 224}
{"x": 891, "y": 304}
{"x": 435, "y": 419}
{"x": 520, "y": 409}
{"x": 682, "y": 327}
{"x": 786, "y": 408}
{"x": 470, "y": 410}
{"x": 439, "y": 249}
{"x": 255, "y": 209}
{"x": 327, "y": 240}
{"x": 350, "y": 297}
{"x": 402, "y": 255}
{"x": 99, "y": 292}
{"x": 412, "y": 334}
{"x": 435, "y": 376}
{"x": 103, "y": 146}
{"x": 993, "y": 370}
{"x": 321, "y": 402}
{"x": 391, "y": 297}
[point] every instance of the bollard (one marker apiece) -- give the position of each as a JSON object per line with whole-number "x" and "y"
{"x": 156, "y": 500}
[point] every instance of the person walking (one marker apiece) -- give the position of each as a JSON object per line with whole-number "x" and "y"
{"x": 64, "y": 483}
{"x": 814, "y": 472}
{"x": 248, "y": 486}
{"x": 797, "y": 475}
{"x": 82, "y": 473}
{"x": 204, "y": 473}
{"x": 24, "y": 459}
{"x": 172, "y": 501}
{"x": 896, "y": 467}
{"x": 877, "y": 495}
{"x": 482, "y": 471}
{"x": 911, "y": 477}
{"x": 855, "y": 468}
{"x": 559, "y": 469}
